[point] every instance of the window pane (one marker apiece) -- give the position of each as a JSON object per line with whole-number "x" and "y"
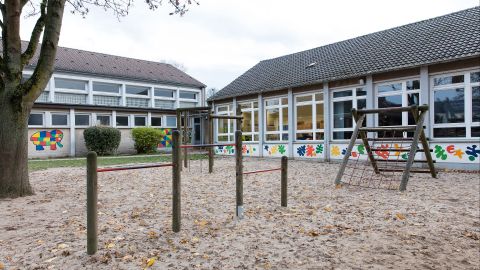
{"x": 342, "y": 135}
{"x": 188, "y": 95}
{"x": 413, "y": 85}
{"x": 222, "y": 109}
{"x": 156, "y": 121}
{"x": 389, "y": 87}
{"x": 319, "y": 136}
{"x": 70, "y": 84}
{"x": 304, "y": 117}
{"x": 390, "y": 118}
{"x": 82, "y": 120}
{"x": 106, "y": 87}
{"x": 361, "y": 104}
{"x": 163, "y": 93}
{"x": 35, "y": 119}
{"x": 413, "y": 99}
{"x": 342, "y": 114}
{"x": 222, "y": 138}
{"x": 347, "y": 93}
{"x": 449, "y": 106}
{"x": 273, "y": 119}
{"x": 122, "y": 121}
{"x": 304, "y": 98}
{"x": 247, "y": 122}
{"x": 255, "y": 121}
{"x": 448, "y": 80}
{"x": 448, "y": 132}
{"x": 140, "y": 121}
{"x": 320, "y": 117}
{"x": 476, "y": 104}
{"x": 59, "y": 119}
{"x": 319, "y": 97}
{"x": 247, "y": 138}
{"x": 103, "y": 120}
{"x": 361, "y": 92}
{"x": 171, "y": 121}
{"x": 184, "y": 104}
{"x": 223, "y": 125}
{"x": 475, "y": 131}
{"x": 273, "y": 137}
{"x": 255, "y": 104}
{"x": 285, "y": 118}
{"x": 137, "y": 90}
{"x": 247, "y": 105}
{"x": 272, "y": 102}
{"x": 304, "y": 136}
{"x": 284, "y": 101}
{"x": 475, "y": 77}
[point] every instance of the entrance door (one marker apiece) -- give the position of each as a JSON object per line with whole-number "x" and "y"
{"x": 197, "y": 130}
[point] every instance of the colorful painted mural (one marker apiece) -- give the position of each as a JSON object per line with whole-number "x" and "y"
{"x": 451, "y": 152}
{"x": 275, "y": 150}
{"x": 309, "y": 150}
{"x": 44, "y": 138}
{"x": 247, "y": 150}
{"x": 166, "y": 141}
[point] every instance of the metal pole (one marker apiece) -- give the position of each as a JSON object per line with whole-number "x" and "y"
{"x": 284, "y": 173}
{"x": 239, "y": 174}
{"x": 176, "y": 187}
{"x": 92, "y": 198}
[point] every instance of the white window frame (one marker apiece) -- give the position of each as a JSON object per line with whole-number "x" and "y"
{"x": 354, "y": 98}
{"x": 280, "y": 108}
{"x": 467, "y": 86}
{"x": 128, "y": 119}
{"x": 166, "y": 121}
{"x": 157, "y": 116}
{"x": 43, "y": 119}
{"x": 98, "y": 93}
{"x": 312, "y": 103}
{"x": 103, "y": 114}
{"x": 89, "y": 119}
{"x": 140, "y": 115}
{"x": 59, "y": 113}
{"x": 230, "y": 131}
{"x": 70, "y": 91}
{"x": 254, "y": 113}
{"x": 403, "y": 93}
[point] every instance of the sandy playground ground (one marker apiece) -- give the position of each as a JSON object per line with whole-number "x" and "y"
{"x": 435, "y": 224}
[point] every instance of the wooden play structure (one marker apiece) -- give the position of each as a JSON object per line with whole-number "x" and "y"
{"x": 389, "y": 171}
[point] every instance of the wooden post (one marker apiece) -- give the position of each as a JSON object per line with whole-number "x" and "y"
{"x": 284, "y": 173}
{"x": 179, "y": 128}
{"x": 176, "y": 187}
{"x": 239, "y": 120}
{"x": 185, "y": 139}
{"x": 210, "y": 141}
{"x": 92, "y": 198}
{"x": 239, "y": 174}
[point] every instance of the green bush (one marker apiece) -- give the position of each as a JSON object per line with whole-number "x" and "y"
{"x": 146, "y": 139}
{"x": 103, "y": 140}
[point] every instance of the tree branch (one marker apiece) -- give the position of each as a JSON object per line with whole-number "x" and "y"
{"x": 36, "y": 33}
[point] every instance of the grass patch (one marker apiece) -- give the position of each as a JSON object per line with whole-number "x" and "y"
{"x": 35, "y": 165}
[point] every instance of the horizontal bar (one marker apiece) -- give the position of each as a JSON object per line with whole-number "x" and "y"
{"x": 393, "y": 109}
{"x": 397, "y": 150}
{"x": 134, "y": 167}
{"x": 262, "y": 171}
{"x": 400, "y": 170}
{"x": 403, "y": 160}
{"x": 205, "y": 145}
{"x": 226, "y": 116}
{"x": 193, "y": 109}
{"x": 393, "y": 139}
{"x": 378, "y": 129}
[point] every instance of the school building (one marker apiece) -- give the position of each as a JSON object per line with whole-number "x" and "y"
{"x": 299, "y": 105}
{"x": 89, "y": 88}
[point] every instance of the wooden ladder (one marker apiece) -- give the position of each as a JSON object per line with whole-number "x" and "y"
{"x": 418, "y": 113}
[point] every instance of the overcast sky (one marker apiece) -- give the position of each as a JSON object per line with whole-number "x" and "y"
{"x": 219, "y": 40}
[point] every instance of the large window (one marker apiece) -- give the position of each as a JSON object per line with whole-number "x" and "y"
{"x": 106, "y": 87}
{"x": 250, "y": 121}
{"x": 104, "y": 120}
{"x": 168, "y": 93}
{"x": 140, "y": 120}
{"x": 397, "y": 94}
{"x": 309, "y": 121}
{"x": 171, "y": 121}
{"x": 342, "y": 103}
{"x": 59, "y": 119}
{"x": 137, "y": 90}
{"x": 69, "y": 84}
{"x": 82, "y": 120}
{"x": 188, "y": 95}
{"x": 36, "y": 119}
{"x": 225, "y": 130}
{"x": 122, "y": 120}
{"x": 456, "y": 105}
{"x": 156, "y": 121}
{"x": 276, "y": 119}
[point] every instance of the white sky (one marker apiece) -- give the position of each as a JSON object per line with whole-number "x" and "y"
{"x": 220, "y": 39}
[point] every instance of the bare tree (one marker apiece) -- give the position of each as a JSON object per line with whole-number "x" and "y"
{"x": 16, "y": 95}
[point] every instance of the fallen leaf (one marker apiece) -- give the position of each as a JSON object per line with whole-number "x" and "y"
{"x": 338, "y": 186}
{"x": 2, "y": 266}
{"x": 110, "y": 245}
{"x": 152, "y": 235}
{"x": 150, "y": 262}
{"x": 400, "y": 216}
{"x": 50, "y": 260}
{"x": 313, "y": 233}
{"x": 62, "y": 246}
{"x": 328, "y": 208}
{"x": 40, "y": 241}
{"x": 195, "y": 239}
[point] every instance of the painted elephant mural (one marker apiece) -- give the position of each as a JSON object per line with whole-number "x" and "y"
{"x": 47, "y": 138}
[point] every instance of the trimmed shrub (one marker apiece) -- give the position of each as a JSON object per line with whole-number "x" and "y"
{"x": 146, "y": 139}
{"x": 103, "y": 140}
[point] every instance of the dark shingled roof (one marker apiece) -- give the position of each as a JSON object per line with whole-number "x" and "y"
{"x": 441, "y": 39}
{"x": 106, "y": 65}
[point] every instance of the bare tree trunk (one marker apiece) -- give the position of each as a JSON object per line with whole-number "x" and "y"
{"x": 14, "y": 180}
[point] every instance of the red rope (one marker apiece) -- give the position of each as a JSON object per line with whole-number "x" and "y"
{"x": 134, "y": 167}
{"x": 261, "y": 171}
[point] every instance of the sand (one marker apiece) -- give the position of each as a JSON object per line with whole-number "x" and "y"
{"x": 435, "y": 224}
